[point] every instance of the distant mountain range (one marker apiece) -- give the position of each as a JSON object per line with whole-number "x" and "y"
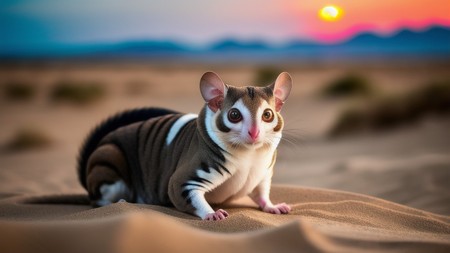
{"x": 432, "y": 43}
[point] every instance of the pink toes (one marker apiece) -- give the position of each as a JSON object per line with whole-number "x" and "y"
{"x": 218, "y": 215}
{"x": 221, "y": 214}
{"x": 282, "y": 208}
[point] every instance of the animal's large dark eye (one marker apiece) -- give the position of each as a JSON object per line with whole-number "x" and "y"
{"x": 267, "y": 115}
{"x": 234, "y": 115}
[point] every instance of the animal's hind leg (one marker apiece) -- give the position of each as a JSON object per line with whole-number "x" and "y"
{"x": 107, "y": 176}
{"x": 111, "y": 193}
{"x": 105, "y": 187}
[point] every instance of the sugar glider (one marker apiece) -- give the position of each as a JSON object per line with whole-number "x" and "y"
{"x": 162, "y": 157}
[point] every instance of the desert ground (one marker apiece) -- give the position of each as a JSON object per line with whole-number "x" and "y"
{"x": 407, "y": 164}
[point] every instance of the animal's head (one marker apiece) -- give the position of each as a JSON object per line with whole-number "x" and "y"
{"x": 244, "y": 117}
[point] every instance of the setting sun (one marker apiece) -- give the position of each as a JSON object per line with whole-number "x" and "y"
{"x": 330, "y": 13}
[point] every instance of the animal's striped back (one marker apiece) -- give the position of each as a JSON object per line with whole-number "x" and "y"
{"x": 108, "y": 126}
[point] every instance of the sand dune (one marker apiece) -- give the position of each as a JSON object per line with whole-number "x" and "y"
{"x": 321, "y": 221}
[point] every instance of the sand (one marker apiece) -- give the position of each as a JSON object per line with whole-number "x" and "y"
{"x": 320, "y": 221}
{"x": 395, "y": 199}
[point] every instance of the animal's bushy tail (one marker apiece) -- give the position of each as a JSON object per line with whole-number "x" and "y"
{"x": 110, "y": 124}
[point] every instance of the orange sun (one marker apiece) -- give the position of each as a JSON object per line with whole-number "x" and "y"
{"x": 330, "y": 13}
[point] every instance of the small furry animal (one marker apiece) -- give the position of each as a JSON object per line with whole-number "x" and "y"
{"x": 161, "y": 157}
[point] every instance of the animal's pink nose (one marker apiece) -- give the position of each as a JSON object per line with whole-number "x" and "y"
{"x": 254, "y": 133}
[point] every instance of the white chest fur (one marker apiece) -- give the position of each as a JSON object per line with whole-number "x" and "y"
{"x": 248, "y": 169}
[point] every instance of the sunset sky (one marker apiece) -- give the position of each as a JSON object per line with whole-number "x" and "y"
{"x": 41, "y": 22}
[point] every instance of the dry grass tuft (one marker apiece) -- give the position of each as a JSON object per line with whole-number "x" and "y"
{"x": 29, "y": 139}
{"x": 265, "y": 76}
{"x": 390, "y": 112}
{"x": 19, "y": 91}
{"x": 77, "y": 92}
{"x": 349, "y": 85}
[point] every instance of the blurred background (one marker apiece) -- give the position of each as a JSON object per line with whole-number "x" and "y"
{"x": 369, "y": 111}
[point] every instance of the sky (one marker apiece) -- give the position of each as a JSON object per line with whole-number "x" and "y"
{"x": 47, "y": 22}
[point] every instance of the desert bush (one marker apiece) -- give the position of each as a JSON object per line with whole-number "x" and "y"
{"x": 27, "y": 139}
{"x": 346, "y": 86}
{"x": 388, "y": 112}
{"x": 77, "y": 92}
{"x": 19, "y": 91}
{"x": 265, "y": 76}
{"x": 350, "y": 120}
{"x": 433, "y": 97}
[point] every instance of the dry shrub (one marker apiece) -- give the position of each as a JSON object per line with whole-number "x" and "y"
{"x": 348, "y": 85}
{"x": 265, "y": 76}
{"x": 29, "y": 139}
{"x": 77, "y": 92}
{"x": 386, "y": 113}
{"x": 19, "y": 91}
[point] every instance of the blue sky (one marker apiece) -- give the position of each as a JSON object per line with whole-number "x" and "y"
{"x": 29, "y": 23}
{"x": 198, "y": 21}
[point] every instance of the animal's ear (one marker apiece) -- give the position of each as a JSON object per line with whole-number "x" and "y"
{"x": 213, "y": 90}
{"x": 281, "y": 89}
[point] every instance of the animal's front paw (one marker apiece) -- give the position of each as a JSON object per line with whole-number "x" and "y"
{"x": 218, "y": 215}
{"x": 282, "y": 208}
